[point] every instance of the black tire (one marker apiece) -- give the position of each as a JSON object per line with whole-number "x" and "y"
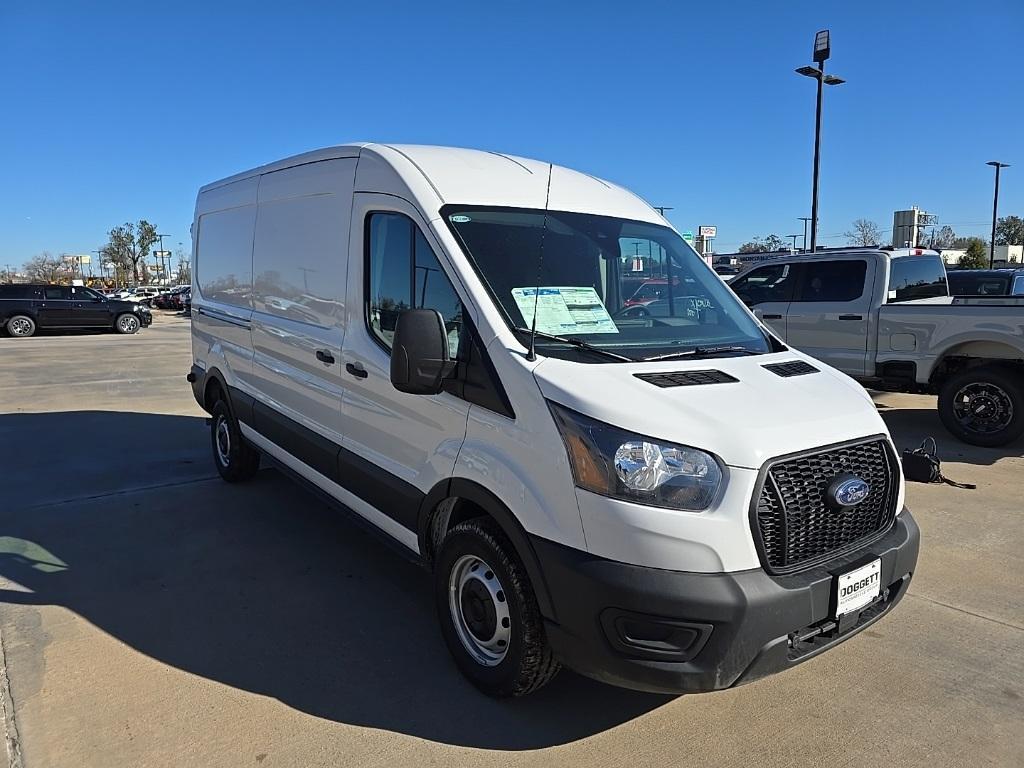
{"x": 127, "y": 322}
{"x": 527, "y": 663}
{"x": 236, "y": 460}
{"x": 20, "y": 326}
{"x": 998, "y": 417}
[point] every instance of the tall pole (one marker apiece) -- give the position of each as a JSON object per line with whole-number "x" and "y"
{"x": 995, "y": 212}
{"x": 817, "y": 160}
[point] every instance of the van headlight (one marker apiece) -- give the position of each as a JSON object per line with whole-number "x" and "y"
{"x": 613, "y": 462}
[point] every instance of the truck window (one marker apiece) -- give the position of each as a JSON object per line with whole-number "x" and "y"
{"x": 833, "y": 281}
{"x": 917, "y": 277}
{"x": 56, "y": 292}
{"x": 770, "y": 283}
{"x": 1018, "y": 286}
{"x": 404, "y": 273}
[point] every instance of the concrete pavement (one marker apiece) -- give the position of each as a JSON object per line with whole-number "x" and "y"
{"x": 152, "y": 615}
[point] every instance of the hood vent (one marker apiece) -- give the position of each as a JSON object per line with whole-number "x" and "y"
{"x": 686, "y": 378}
{"x": 790, "y": 368}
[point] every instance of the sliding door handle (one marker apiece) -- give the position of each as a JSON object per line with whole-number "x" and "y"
{"x": 356, "y": 370}
{"x": 324, "y": 356}
{"x": 851, "y": 317}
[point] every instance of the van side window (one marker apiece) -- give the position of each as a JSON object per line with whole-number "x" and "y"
{"x": 768, "y": 283}
{"x": 832, "y": 281}
{"x": 404, "y": 273}
{"x": 55, "y": 292}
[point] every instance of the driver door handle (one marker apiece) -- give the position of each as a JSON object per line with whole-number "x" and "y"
{"x": 772, "y": 317}
{"x": 356, "y": 370}
{"x": 851, "y": 317}
{"x": 324, "y": 356}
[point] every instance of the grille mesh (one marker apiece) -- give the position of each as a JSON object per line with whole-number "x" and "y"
{"x": 790, "y": 368}
{"x": 796, "y": 526}
{"x": 685, "y": 378}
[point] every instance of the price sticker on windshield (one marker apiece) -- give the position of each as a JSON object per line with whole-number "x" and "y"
{"x": 564, "y": 309}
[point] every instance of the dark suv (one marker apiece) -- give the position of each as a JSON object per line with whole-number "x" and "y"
{"x": 27, "y": 307}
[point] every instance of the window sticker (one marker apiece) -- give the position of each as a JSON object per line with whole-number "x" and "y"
{"x": 562, "y": 310}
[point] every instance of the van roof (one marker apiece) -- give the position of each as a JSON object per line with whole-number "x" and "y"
{"x": 479, "y": 177}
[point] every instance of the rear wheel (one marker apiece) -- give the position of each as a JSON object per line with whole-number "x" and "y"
{"x": 127, "y": 323}
{"x": 488, "y": 612}
{"x": 235, "y": 458}
{"x": 20, "y": 326}
{"x": 984, "y": 405}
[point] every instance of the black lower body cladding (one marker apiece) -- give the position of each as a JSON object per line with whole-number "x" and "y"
{"x": 676, "y": 632}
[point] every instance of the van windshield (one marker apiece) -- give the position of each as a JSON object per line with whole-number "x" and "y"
{"x": 628, "y": 287}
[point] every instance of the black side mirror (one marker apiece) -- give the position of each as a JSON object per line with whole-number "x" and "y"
{"x": 420, "y": 361}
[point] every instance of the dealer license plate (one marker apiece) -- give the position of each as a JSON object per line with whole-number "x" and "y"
{"x": 857, "y": 588}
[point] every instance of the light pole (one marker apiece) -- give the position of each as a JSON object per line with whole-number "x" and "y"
{"x": 163, "y": 255}
{"x": 662, "y": 208}
{"x": 794, "y": 237}
{"x": 820, "y": 55}
{"x": 805, "y": 219}
{"x": 995, "y": 211}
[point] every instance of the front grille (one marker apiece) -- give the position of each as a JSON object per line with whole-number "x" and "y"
{"x": 794, "y": 525}
{"x": 686, "y": 378}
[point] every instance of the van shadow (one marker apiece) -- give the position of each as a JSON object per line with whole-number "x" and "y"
{"x": 910, "y": 426}
{"x": 262, "y": 587}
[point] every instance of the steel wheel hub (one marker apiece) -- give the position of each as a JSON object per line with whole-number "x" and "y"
{"x": 20, "y": 326}
{"x": 223, "y": 440}
{"x": 479, "y": 610}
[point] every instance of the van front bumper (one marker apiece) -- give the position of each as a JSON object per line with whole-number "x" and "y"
{"x": 674, "y": 632}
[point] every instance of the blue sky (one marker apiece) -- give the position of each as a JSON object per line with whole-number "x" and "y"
{"x": 116, "y": 111}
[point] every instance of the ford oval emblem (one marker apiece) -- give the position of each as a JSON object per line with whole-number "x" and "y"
{"x": 847, "y": 491}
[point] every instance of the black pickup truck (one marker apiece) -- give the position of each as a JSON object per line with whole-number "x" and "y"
{"x": 26, "y": 307}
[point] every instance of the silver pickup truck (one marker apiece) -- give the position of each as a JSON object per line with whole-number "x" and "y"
{"x": 886, "y": 318}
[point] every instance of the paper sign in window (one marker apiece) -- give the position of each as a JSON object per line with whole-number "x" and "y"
{"x": 563, "y": 310}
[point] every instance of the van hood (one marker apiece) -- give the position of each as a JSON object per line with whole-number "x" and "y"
{"x": 760, "y": 416}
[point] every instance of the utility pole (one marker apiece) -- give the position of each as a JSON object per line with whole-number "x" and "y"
{"x": 805, "y": 219}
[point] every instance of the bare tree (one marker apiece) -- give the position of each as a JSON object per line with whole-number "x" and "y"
{"x": 770, "y": 243}
{"x": 864, "y": 232}
{"x": 45, "y": 268}
{"x": 184, "y": 267}
{"x": 129, "y": 244}
{"x": 944, "y": 238}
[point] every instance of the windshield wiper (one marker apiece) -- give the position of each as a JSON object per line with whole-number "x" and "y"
{"x": 700, "y": 352}
{"x": 580, "y": 343}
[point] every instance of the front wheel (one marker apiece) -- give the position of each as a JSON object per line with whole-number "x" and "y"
{"x": 236, "y": 460}
{"x": 984, "y": 405}
{"x": 488, "y": 612}
{"x": 127, "y": 323}
{"x": 21, "y": 326}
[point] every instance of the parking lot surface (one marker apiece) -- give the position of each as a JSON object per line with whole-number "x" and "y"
{"x": 152, "y": 615}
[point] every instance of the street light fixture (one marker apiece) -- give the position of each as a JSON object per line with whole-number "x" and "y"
{"x": 995, "y": 211}
{"x": 822, "y": 50}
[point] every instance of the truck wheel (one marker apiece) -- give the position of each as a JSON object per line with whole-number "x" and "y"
{"x": 488, "y": 613}
{"x": 236, "y": 460}
{"x": 984, "y": 405}
{"x": 20, "y": 326}
{"x": 127, "y": 323}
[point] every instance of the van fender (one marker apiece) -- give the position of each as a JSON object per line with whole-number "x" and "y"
{"x": 461, "y": 488}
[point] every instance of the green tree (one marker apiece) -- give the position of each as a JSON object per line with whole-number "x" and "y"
{"x": 763, "y": 245}
{"x": 864, "y": 232}
{"x": 976, "y": 256}
{"x": 1010, "y": 231}
{"x": 129, "y": 244}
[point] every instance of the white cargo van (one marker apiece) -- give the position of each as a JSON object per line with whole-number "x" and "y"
{"x": 440, "y": 341}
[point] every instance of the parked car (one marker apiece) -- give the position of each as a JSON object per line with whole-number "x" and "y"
{"x": 986, "y": 282}
{"x": 186, "y": 300}
{"x": 886, "y": 319}
{"x": 143, "y": 296}
{"x": 24, "y": 308}
{"x": 669, "y": 504}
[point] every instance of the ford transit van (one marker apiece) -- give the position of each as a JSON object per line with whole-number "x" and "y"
{"x": 444, "y": 342}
